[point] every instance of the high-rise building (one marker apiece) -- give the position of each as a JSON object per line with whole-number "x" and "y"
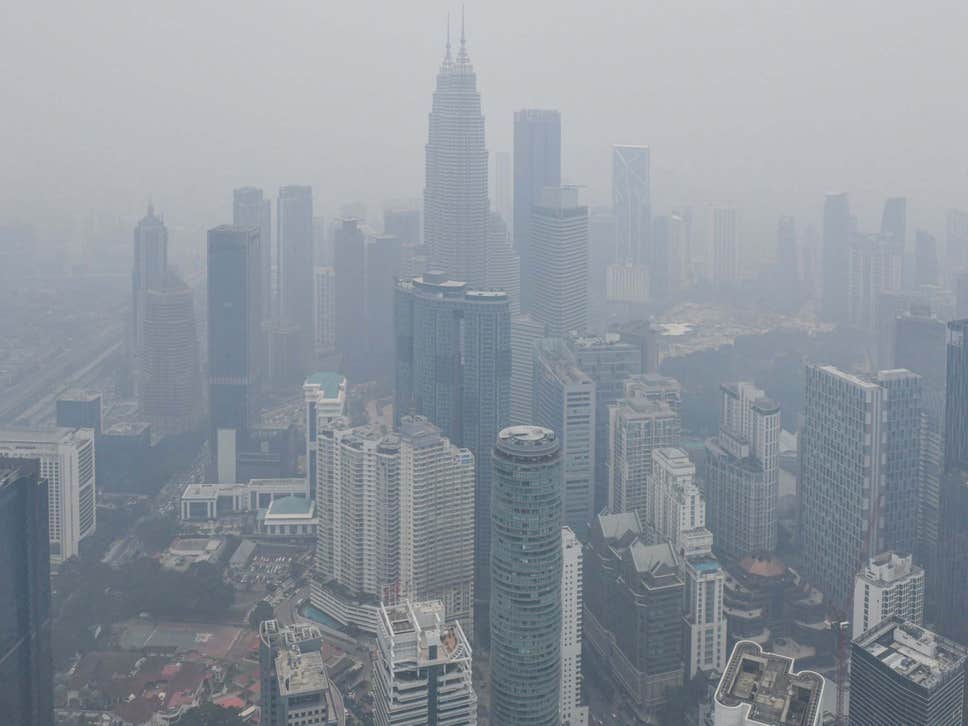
{"x": 741, "y": 476}
{"x": 324, "y": 394}
{"x": 294, "y": 237}
{"x": 79, "y": 409}
{"x": 525, "y": 331}
{"x": 170, "y": 392}
{"x": 905, "y": 674}
{"x": 564, "y": 401}
{"x": 26, "y": 669}
{"x": 382, "y": 265}
{"x": 295, "y": 687}
{"x": 407, "y": 501}
{"x": 759, "y": 688}
{"x": 67, "y": 463}
{"x": 668, "y": 265}
{"x": 837, "y": 231}
{"x": 632, "y": 202}
{"x": 890, "y": 584}
{"x": 859, "y": 467}
{"x": 453, "y": 366}
{"x": 678, "y": 516}
{"x": 503, "y": 263}
{"x": 638, "y": 424}
{"x": 251, "y": 209}
{"x": 455, "y": 196}
{"x": 324, "y": 312}
{"x": 559, "y": 268}
{"x": 234, "y": 331}
{"x": 423, "y": 673}
{"x": 925, "y": 258}
{"x": 724, "y": 244}
{"x": 404, "y": 224}
{"x": 874, "y": 267}
{"x": 525, "y": 611}
{"x": 956, "y": 239}
{"x": 349, "y": 267}
{"x": 570, "y": 710}
{"x": 322, "y": 243}
{"x": 788, "y": 255}
{"x": 633, "y": 625}
{"x": 503, "y": 185}
{"x": 894, "y": 222}
{"x": 537, "y": 165}
{"x": 148, "y": 272}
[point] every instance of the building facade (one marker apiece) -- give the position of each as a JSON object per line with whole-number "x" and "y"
{"x": 570, "y": 710}
{"x": 324, "y": 312}
{"x": 503, "y": 262}
{"x": 294, "y": 236}
{"x": 525, "y": 332}
{"x": 251, "y": 209}
{"x": 724, "y": 244}
{"x": 890, "y": 584}
{"x": 837, "y": 232}
{"x": 632, "y": 204}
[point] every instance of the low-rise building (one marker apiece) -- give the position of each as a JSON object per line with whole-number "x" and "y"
{"x": 212, "y": 501}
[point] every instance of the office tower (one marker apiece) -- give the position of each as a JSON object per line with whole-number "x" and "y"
{"x": 234, "y": 330}
{"x": 453, "y": 365}
{"x": 455, "y": 195}
{"x": 919, "y": 346}
{"x": 564, "y": 401}
{"x": 960, "y": 284}
{"x": 874, "y": 268}
{"x": 601, "y": 248}
{"x": 423, "y": 668}
{"x": 503, "y": 264}
{"x": 759, "y": 688}
{"x": 787, "y": 256}
{"x": 925, "y": 258}
{"x": 525, "y": 331}
{"x": 633, "y": 624}
{"x": 559, "y": 268}
{"x": 956, "y": 239}
{"x": 251, "y": 209}
{"x": 171, "y": 385}
{"x": 678, "y": 516}
{"x": 537, "y": 165}
{"x": 404, "y": 224}
{"x": 894, "y": 222}
{"x": 382, "y": 264}
{"x": 349, "y": 267}
{"x": 294, "y": 237}
{"x": 631, "y": 201}
{"x": 667, "y": 269}
{"x": 77, "y": 409}
{"x": 570, "y": 710}
{"x": 741, "y": 476}
{"x": 638, "y": 424}
{"x": 295, "y": 687}
{"x": 890, "y": 304}
{"x": 627, "y": 283}
{"x": 837, "y": 229}
{"x": 724, "y": 244}
{"x": 890, "y": 584}
{"x": 148, "y": 272}
{"x": 324, "y": 312}
{"x": 503, "y": 185}
{"x": 67, "y": 463}
{"x": 26, "y": 669}
{"x": 525, "y": 612}
{"x": 859, "y": 465}
{"x": 905, "y": 674}
{"x": 322, "y": 243}
{"x": 324, "y": 394}
{"x": 609, "y": 362}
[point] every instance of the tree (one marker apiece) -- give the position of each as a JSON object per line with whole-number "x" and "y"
{"x": 157, "y": 533}
{"x": 262, "y": 611}
{"x": 208, "y": 714}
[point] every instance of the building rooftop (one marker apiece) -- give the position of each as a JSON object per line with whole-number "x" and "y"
{"x": 300, "y": 673}
{"x": 290, "y": 507}
{"x": 77, "y": 394}
{"x": 916, "y": 653}
{"x": 127, "y": 428}
{"x": 561, "y": 362}
{"x": 419, "y": 633}
{"x": 332, "y": 384}
{"x": 46, "y": 436}
{"x": 527, "y": 440}
{"x": 616, "y": 526}
{"x": 889, "y": 567}
{"x": 766, "y": 687}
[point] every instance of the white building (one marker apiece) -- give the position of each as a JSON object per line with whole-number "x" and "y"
{"x": 67, "y": 462}
{"x": 627, "y": 283}
{"x": 325, "y": 397}
{"x": 525, "y": 331}
{"x": 891, "y": 584}
{"x": 422, "y": 671}
{"x": 571, "y": 711}
{"x": 324, "y": 311}
{"x": 212, "y": 501}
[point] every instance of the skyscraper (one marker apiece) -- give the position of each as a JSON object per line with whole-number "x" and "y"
{"x": 423, "y": 672}
{"x": 559, "y": 268}
{"x": 455, "y": 195}
{"x": 324, "y": 312}
{"x": 525, "y": 331}
{"x": 537, "y": 165}
{"x": 837, "y": 230}
{"x": 724, "y": 244}
{"x": 668, "y": 263}
{"x": 294, "y": 214}
{"x": 894, "y": 222}
{"x": 905, "y": 674}
{"x": 890, "y": 584}
{"x": 171, "y": 387}
{"x": 382, "y": 265}
{"x": 251, "y": 209}
{"x": 234, "y": 330}
{"x": 453, "y": 366}
{"x": 925, "y": 258}
{"x": 525, "y": 619}
{"x": 571, "y": 711}
{"x": 631, "y": 200}
{"x": 349, "y": 267}
{"x": 859, "y": 464}
{"x": 741, "y": 475}
{"x": 564, "y": 401}
{"x": 787, "y": 255}
{"x": 503, "y": 185}
{"x": 956, "y": 239}
{"x": 874, "y": 267}
{"x": 503, "y": 264}
{"x": 26, "y": 670}
{"x": 148, "y": 272}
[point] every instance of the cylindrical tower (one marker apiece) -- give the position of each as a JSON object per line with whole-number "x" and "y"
{"x": 525, "y": 614}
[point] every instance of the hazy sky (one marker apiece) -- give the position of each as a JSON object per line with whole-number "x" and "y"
{"x": 765, "y": 104}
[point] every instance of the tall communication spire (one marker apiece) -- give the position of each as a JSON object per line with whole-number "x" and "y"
{"x": 462, "y": 56}
{"x": 447, "y": 54}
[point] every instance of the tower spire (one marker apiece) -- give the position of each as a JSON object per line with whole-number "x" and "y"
{"x": 462, "y": 56}
{"x": 447, "y": 54}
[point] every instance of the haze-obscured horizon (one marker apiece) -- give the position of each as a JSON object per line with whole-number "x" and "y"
{"x": 765, "y": 105}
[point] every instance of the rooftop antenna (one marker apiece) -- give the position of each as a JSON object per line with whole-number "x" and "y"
{"x": 447, "y": 54}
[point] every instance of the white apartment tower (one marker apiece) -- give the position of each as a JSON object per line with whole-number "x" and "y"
{"x": 67, "y": 463}
{"x": 571, "y": 711}
{"x": 891, "y": 584}
{"x": 422, "y": 670}
{"x": 324, "y": 395}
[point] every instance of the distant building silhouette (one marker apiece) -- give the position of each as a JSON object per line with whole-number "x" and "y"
{"x": 294, "y": 217}
{"x": 837, "y": 231}
{"x": 559, "y": 270}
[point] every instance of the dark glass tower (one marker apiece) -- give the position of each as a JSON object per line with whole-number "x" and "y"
{"x": 525, "y": 613}
{"x": 349, "y": 263}
{"x": 26, "y": 670}
{"x": 537, "y": 164}
{"x": 294, "y": 214}
{"x": 251, "y": 209}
